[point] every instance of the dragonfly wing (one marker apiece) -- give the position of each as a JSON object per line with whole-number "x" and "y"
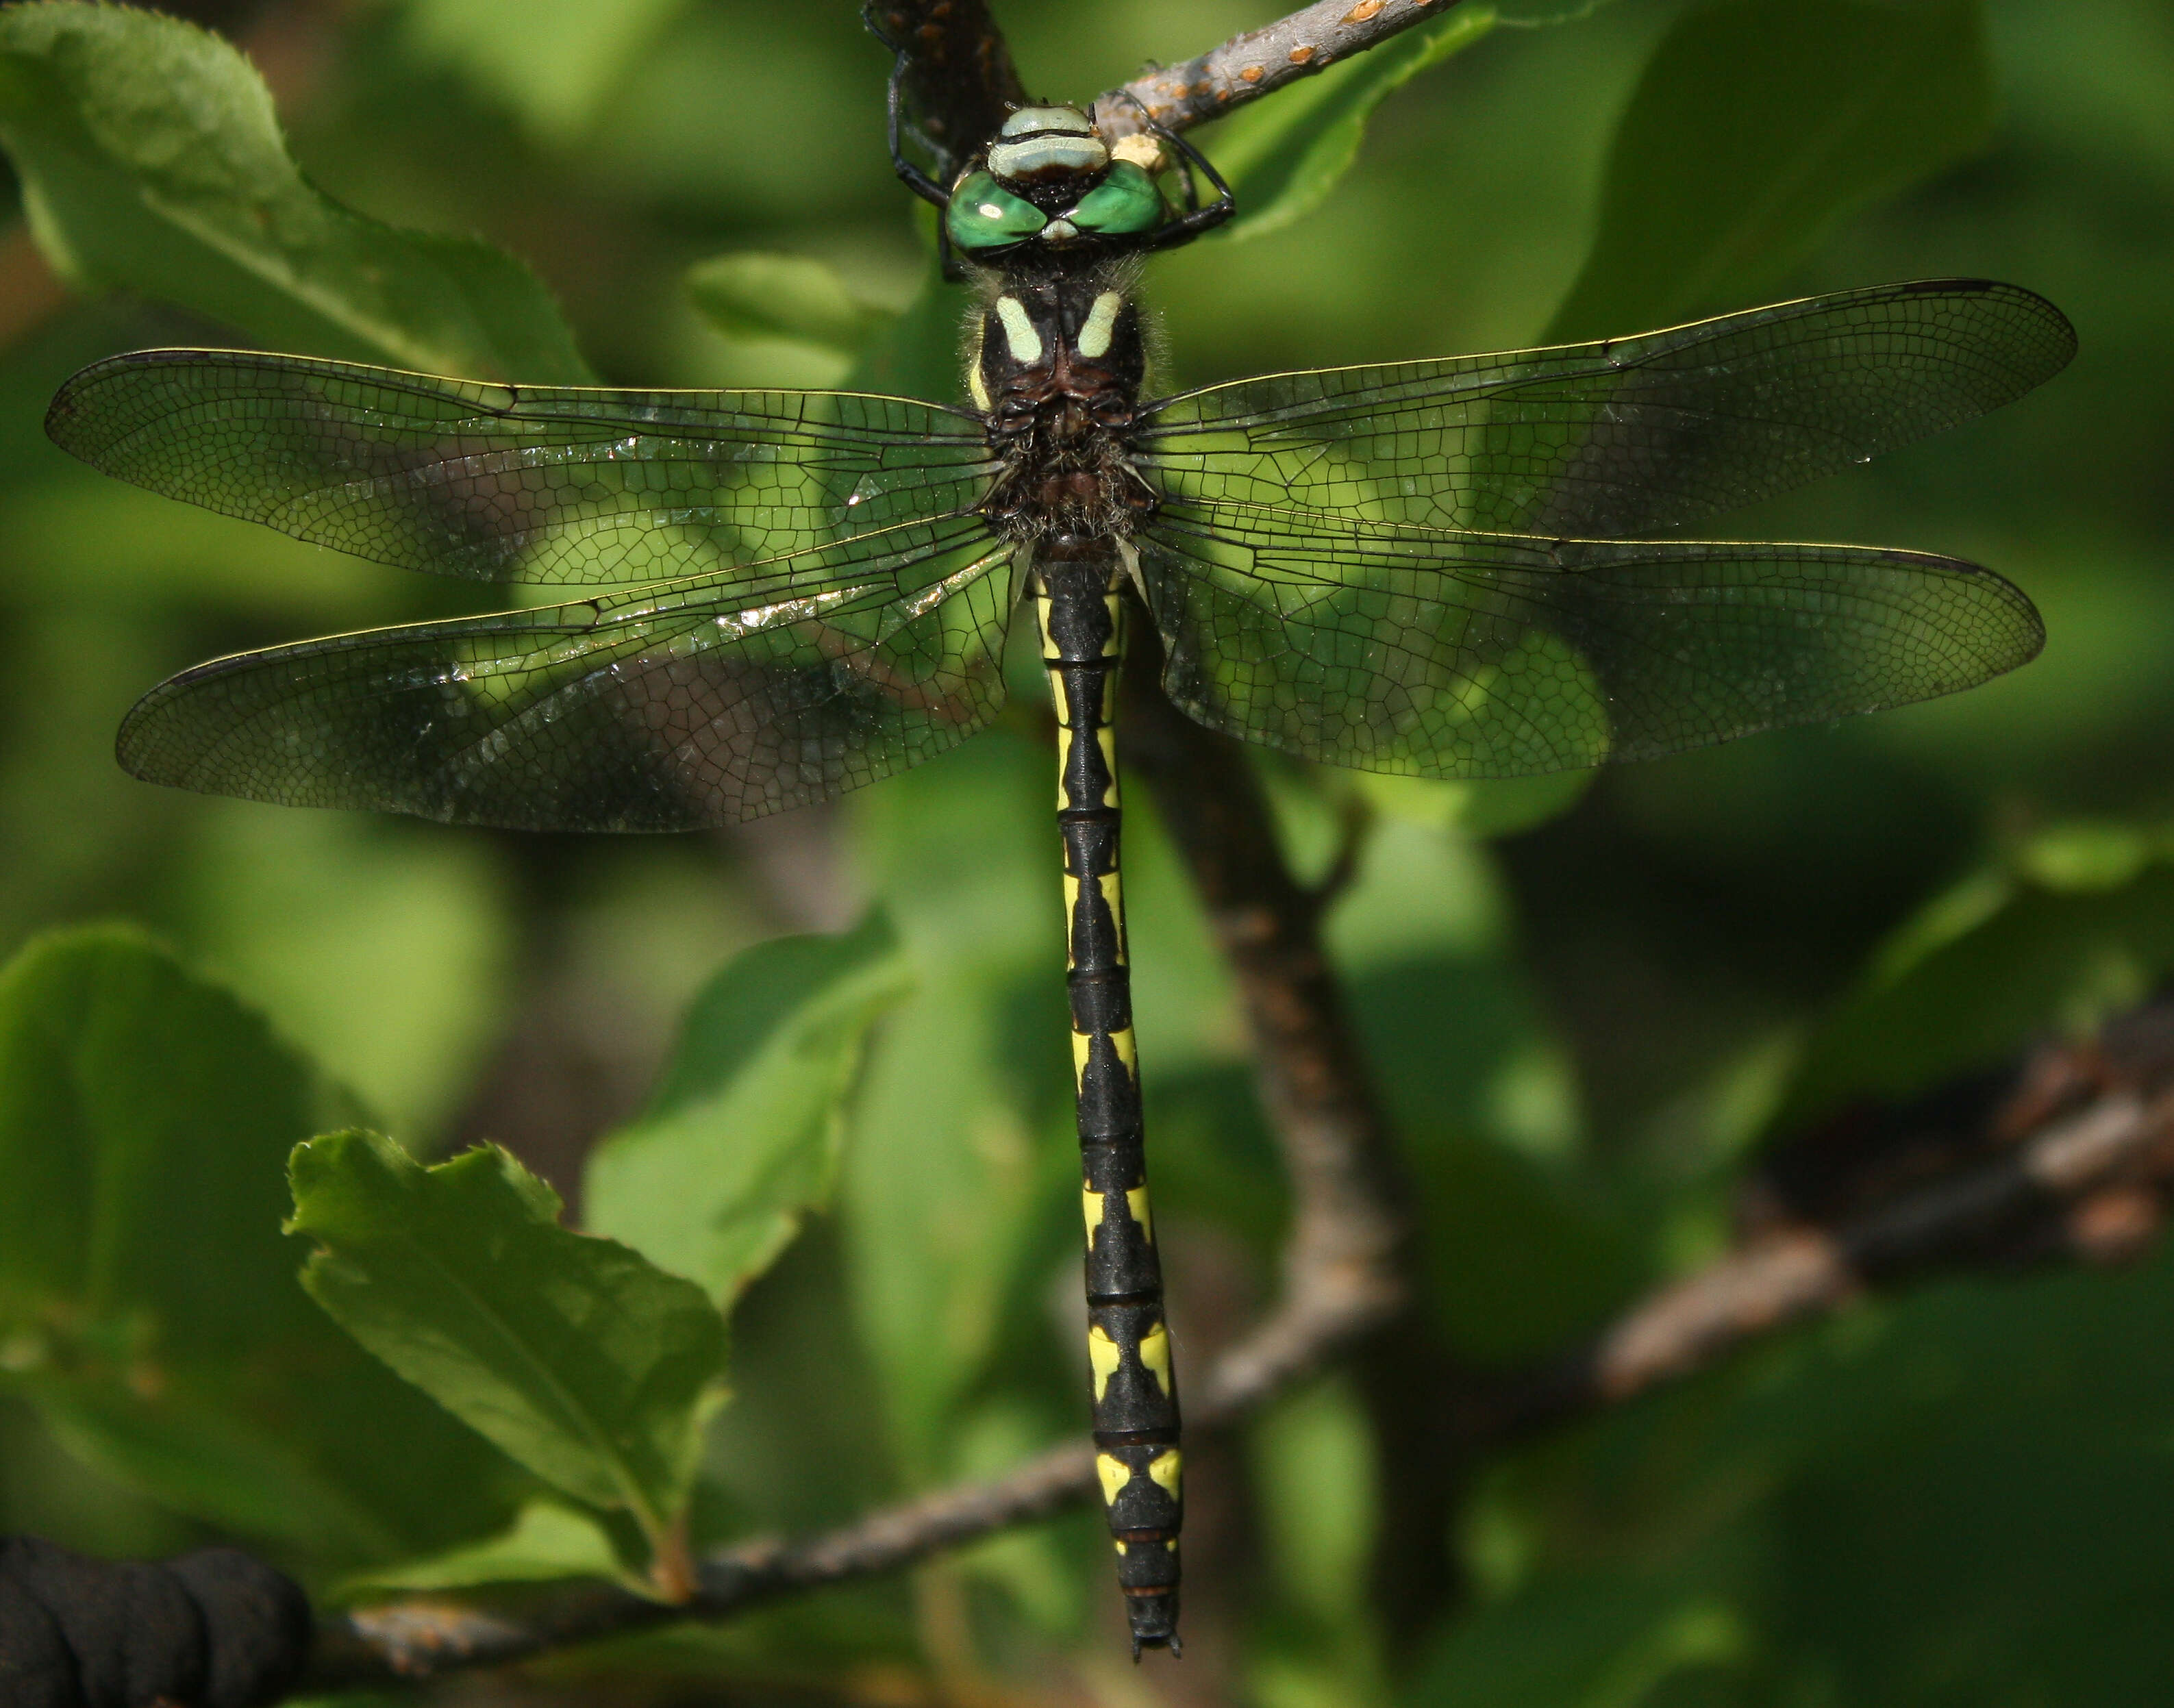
{"x": 659, "y": 709}
{"x": 517, "y": 482}
{"x": 1621, "y": 437}
{"x": 1412, "y": 649}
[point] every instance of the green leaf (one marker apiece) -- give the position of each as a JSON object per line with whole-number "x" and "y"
{"x": 916, "y": 354}
{"x": 576, "y": 1355}
{"x": 390, "y": 970}
{"x": 151, "y": 161}
{"x": 1485, "y": 807}
{"x": 147, "y": 1303}
{"x": 966, "y": 1104}
{"x": 757, "y": 295}
{"x": 2079, "y": 924}
{"x": 1314, "y": 1463}
{"x": 742, "y": 1137}
{"x": 1317, "y": 1484}
{"x": 1942, "y": 1498}
{"x": 1284, "y": 154}
{"x": 555, "y": 71}
{"x": 1758, "y": 127}
{"x": 1614, "y": 1639}
{"x": 547, "y": 1542}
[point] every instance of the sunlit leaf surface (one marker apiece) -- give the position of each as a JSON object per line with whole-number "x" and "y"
{"x": 577, "y": 1356}
{"x": 148, "y": 1299}
{"x": 741, "y": 1138}
{"x": 151, "y": 161}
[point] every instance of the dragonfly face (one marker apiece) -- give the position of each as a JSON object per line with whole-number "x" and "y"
{"x": 1049, "y": 180}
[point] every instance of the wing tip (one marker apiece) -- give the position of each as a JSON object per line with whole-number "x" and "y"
{"x": 2033, "y": 361}
{"x": 137, "y": 747}
{"x": 67, "y": 423}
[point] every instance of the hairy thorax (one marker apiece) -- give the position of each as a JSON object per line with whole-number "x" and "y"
{"x": 1056, "y": 365}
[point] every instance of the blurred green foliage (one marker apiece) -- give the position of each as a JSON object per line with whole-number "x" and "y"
{"x": 1585, "y": 1006}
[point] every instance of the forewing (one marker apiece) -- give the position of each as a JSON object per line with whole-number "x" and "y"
{"x": 663, "y": 710}
{"x": 1395, "y": 648}
{"x": 1605, "y": 440}
{"x": 506, "y": 483}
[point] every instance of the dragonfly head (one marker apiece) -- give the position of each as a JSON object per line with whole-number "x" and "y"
{"x": 1049, "y": 179}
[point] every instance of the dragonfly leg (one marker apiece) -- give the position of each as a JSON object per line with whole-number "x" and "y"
{"x": 1196, "y": 219}
{"x": 910, "y": 174}
{"x": 1128, "y": 1346}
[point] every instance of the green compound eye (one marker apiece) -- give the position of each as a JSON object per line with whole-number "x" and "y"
{"x": 983, "y": 214}
{"x": 1122, "y": 203}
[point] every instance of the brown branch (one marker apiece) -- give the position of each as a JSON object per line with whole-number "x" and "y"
{"x": 1342, "y": 1254}
{"x": 418, "y": 1639}
{"x": 1251, "y": 65}
{"x": 960, "y": 80}
{"x": 2085, "y": 1179}
{"x": 1349, "y": 1251}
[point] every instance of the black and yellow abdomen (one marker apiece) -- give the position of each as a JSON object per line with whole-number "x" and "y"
{"x": 1077, "y": 592}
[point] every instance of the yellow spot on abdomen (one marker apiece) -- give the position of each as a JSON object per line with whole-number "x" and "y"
{"x": 1136, "y": 1204}
{"x": 1102, "y": 1352}
{"x": 1166, "y": 1469}
{"x": 1154, "y": 1355}
{"x": 1113, "y": 898}
{"x": 1115, "y": 1474}
{"x": 1082, "y": 1046}
{"x": 1091, "y": 1207}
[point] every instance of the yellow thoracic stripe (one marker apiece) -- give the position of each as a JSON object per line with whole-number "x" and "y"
{"x": 1020, "y": 338}
{"x": 1101, "y": 321}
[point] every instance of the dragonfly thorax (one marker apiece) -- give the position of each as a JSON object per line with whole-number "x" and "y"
{"x": 1056, "y": 365}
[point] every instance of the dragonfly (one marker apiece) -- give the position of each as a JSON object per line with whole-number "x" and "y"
{"x": 1464, "y": 567}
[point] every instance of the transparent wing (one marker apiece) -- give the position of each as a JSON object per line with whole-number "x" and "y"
{"x": 506, "y": 483}
{"x": 1397, "y": 648}
{"x": 668, "y": 709}
{"x": 1604, "y": 439}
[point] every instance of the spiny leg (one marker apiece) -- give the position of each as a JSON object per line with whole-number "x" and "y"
{"x": 1135, "y": 1386}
